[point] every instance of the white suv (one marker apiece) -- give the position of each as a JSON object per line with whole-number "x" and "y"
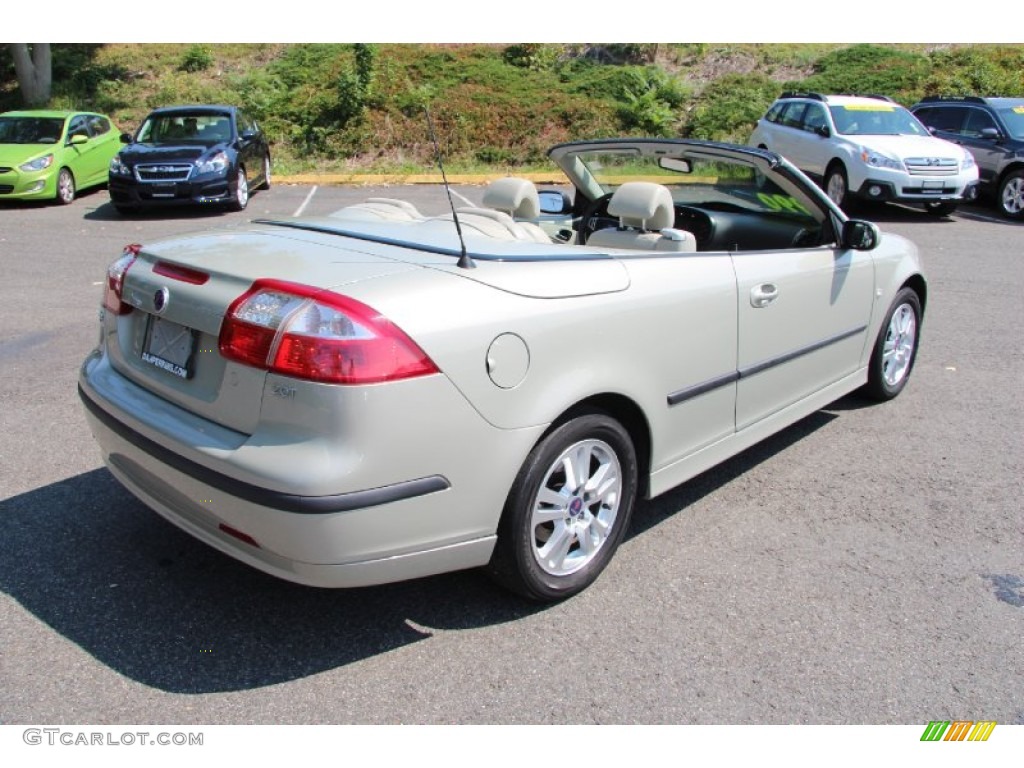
{"x": 867, "y": 147}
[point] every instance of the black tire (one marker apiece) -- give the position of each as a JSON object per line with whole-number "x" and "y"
{"x": 837, "y": 186}
{"x": 554, "y": 539}
{"x": 1011, "y": 195}
{"x": 265, "y": 183}
{"x": 65, "y": 193}
{"x": 892, "y": 359}
{"x": 241, "y": 191}
{"x": 940, "y": 208}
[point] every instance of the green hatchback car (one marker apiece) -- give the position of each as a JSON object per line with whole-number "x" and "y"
{"x": 51, "y": 154}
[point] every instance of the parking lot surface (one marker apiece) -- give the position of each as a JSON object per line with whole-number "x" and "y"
{"x": 863, "y": 566}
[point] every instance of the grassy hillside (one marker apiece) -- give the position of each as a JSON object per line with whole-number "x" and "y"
{"x": 360, "y": 107}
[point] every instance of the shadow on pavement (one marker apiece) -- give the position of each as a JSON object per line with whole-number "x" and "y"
{"x": 156, "y": 605}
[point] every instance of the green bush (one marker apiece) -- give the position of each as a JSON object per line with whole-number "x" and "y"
{"x": 869, "y": 69}
{"x": 197, "y": 58}
{"x": 729, "y": 107}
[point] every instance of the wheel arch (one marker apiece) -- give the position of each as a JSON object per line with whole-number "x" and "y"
{"x": 917, "y": 284}
{"x": 625, "y": 411}
{"x": 1017, "y": 165}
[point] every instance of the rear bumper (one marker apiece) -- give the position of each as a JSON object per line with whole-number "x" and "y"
{"x": 360, "y": 531}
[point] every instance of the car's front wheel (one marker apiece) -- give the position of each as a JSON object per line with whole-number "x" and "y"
{"x": 241, "y": 198}
{"x": 1011, "y": 195}
{"x": 65, "y": 187}
{"x": 836, "y": 185}
{"x": 568, "y": 509}
{"x": 895, "y": 350}
{"x": 939, "y": 208}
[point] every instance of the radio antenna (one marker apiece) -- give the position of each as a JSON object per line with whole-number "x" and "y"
{"x": 464, "y": 260}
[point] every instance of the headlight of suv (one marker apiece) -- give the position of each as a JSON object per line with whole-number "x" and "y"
{"x": 38, "y": 164}
{"x": 878, "y": 160}
{"x": 117, "y": 167}
{"x": 217, "y": 163}
{"x": 968, "y": 162}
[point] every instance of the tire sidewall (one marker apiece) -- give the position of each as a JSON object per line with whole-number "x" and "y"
{"x": 1010, "y": 177}
{"x": 61, "y": 198}
{"x": 514, "y": 562}
{"x": 878, "y": 387}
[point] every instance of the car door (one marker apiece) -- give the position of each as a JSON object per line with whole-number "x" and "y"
{"x": 815, "y": 150}
{"x": 802, "y": 312}
{"x": 989, "y": 151}
{"x": 85, "y": 161}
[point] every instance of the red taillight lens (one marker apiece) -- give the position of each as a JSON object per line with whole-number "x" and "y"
{"x": 115, "y": 281}
{"x": 299, "y": 331}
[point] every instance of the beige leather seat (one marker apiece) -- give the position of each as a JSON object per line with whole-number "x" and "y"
{"x": 380, "y": 209}
{"x": 518, "y": 199}
{"x": 646, "y": 214}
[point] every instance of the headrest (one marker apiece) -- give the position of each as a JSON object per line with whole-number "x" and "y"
{"x": 643, "y": 205}
{"x": 516, "y": 197}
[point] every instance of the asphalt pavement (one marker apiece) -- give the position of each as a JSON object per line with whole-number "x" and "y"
{"x": 863, "y": 566}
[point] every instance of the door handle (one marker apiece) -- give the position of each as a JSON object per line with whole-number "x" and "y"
{"x": 763, "y": 295}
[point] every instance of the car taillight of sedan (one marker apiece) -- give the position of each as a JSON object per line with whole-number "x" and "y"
{"x": 309, "y": 333}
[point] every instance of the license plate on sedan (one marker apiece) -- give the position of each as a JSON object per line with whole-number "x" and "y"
{"x": 170, "y": 346}
{"x": 932, "y": 186}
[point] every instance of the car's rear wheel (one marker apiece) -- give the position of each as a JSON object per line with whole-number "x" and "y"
{"x": 65, "y": 194}
{"x": 940, "y": 207}
{"x": 568, "y": 509}
{"x": 241, "y": 198}
{"x": 836, "y": 185}
{"x": 1011, "y": 195}
{"x": 895, "y": 350}
{"x": 265, "y": 184}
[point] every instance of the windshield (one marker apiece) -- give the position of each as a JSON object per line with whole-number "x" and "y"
{"x": 185, "y": 129}
{"x": 1014, "y": 120}
{"x": 701, "y": 179}
{"x": 875, "y": 120}
{"x": 31, "y": 130}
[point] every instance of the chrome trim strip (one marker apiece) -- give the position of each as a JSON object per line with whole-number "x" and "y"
{"x": 682, "y": 395}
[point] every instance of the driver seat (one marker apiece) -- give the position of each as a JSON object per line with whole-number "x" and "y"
{"x": 646, "y": 214}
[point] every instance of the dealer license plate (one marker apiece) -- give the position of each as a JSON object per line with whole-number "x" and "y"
{"x": 170, "y": 347}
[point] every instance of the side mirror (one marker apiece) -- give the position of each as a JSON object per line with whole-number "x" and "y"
{"x": 991, "y": 134}
{"x": 126, "y": 138}
{"x": 78, "y": 138}
{"x": 860, "y": 235}
{"x": 823, "y": 131}
{"x": 248, "y": 135}
{"x": 554, "y": 201}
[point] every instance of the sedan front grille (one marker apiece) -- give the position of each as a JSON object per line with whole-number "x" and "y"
{"x": 932, "y": 166}
{"x": 162, "y": 172}
{"x": 5, "y": 169}
{"x": 6, "y": 189}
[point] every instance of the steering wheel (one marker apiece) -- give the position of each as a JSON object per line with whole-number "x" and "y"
{"x": 596, "y": 217}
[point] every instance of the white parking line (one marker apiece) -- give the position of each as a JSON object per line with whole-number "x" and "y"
{"x": 305, "y": 202}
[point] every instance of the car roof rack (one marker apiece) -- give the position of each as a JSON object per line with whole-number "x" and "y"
{"x": 802, "y": 95}
{"x": 967, "y": 99}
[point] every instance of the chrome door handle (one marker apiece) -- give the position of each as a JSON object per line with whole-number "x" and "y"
{"x": 763, "y": 295}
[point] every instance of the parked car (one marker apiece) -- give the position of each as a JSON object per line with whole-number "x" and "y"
{"x": 992, "y": 129}
{"x": 867, "y": 148}
{"x": 378, "y": 395}
{"x": 51, "y": 154}
{"x": 193, "y": 155}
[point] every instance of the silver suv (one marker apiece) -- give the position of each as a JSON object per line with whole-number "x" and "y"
{"x": 867, "y": 148}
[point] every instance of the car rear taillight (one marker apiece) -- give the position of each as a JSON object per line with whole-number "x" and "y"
{"x": 116, "y": 273}
{"x": 318, "y": 335}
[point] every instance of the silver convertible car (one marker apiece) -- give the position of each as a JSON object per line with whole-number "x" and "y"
{"x": 379, "y": 395}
